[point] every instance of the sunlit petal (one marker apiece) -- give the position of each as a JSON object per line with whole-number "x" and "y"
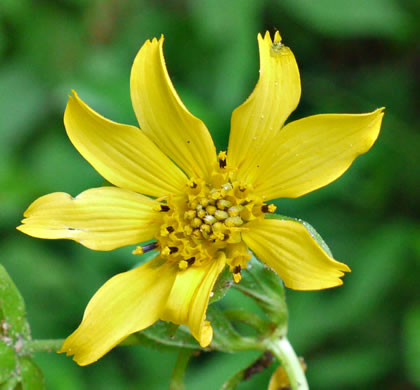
{"x": 255, "y": 122}
{"x": 163, "y": 116}
{"x": 288, "y": 248}
{"x": 312, "y": 152}
{"x": 100, "y": 218}
{"x": 122, "y": 154}
{"x": 127, "y": 303}
{"x": 190, "y": 296}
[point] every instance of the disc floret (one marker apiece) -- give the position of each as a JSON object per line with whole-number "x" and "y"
{"x": 210, "y": 218}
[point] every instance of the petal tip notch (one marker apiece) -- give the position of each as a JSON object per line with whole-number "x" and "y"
{"x": 267, "y": 37}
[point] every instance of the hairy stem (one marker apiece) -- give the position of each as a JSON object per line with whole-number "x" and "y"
{"x": 33, "y": 346}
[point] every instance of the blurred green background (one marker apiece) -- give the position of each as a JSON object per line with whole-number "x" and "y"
{"x": 354, "y": 56}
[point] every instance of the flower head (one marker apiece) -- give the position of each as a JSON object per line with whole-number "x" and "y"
{"x": 203, "y": 210}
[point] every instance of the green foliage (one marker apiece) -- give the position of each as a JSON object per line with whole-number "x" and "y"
{"x": 12, "y": 308}
{"x": 17, "y": 370}
{"x": 411, "y": 335}
{"x": 353, "y": 57}
{"x": 265, "y": 287}
{"x": 223, "y": 283}
{"x": 261, "y": 284}
{"x": 170, "y": 335}
{"x": 353, "y": 18}
{"x": 32, "y": 378}
{"x": 8, "y": 361}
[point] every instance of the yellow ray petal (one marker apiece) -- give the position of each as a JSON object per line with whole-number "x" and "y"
{"x": 189, "y": 298}
{"x": 100, "y": 218}
{"x": 276, "y": 95}
{"x": 163, "y": 116}
{"x": 288, "y": 248}
{"x": 127, "y": 303}
{"x": 122, "y": 154}
{"x": 312, "y": 152}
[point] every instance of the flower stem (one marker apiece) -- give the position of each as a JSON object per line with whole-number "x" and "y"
{"x": 33, "y": 346}
{"x": 283, "y": 351}
{"x": 177, "y": 380}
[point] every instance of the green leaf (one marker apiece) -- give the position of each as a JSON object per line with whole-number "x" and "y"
{"x": 12, "y": 308}
{"x": 8, "y": 360}
{"x": 315, "y": 235}
{"x": 223, "y": 284}
{"x": 11, "y": 384}
{"x": 247, "y": 317}
{"x": 225, "y": 337}
{"x": 266, "y": 288}
{"x": 31, "y": 375}
{"x": 166, "y": 334}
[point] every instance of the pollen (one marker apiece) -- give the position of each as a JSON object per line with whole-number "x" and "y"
{"x": 222, "y": 159}
{"x": 140, "y": 250}
{"x": 209, "y": 218}
{"x": 183, "y": 264}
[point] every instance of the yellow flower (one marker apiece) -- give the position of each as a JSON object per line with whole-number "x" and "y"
{"x": 204, "y": 210}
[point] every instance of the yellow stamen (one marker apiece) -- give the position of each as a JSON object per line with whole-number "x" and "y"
{"x": 215, "y": 195}
{"x": 205, "y": 228}
{"x": 166, "y": 251}
{"x": 162, "y": 208}
{"x": 182, "y": 265}
{"x": 222, "y": 159}
{"x": 196, "y": 222}
{"x": 221, "y": 215}
{"x": 138, "y": 251}
{"x": 197, "y": 234}
{"x": 217, "y": 227}
{"x": 235, "y": 210}
{"x": 237, "y": 277}
{"x": 220, "y": 236}
{"x": 201, "y": 213}
{"x": 237, "y": 274}
{"x": 223, "y": 204}
{"x": 209, "y": 219}
{"x": 227, "y": 187}
{"x": 268, "y": 208}
{"x": 188, "y": 230}
{"x": 191, "y": 183}
{"x": 234, "y": 221}
{"x": 190, "y": 214}
{"x": 272, "y": 208}
{"x": 211, "y": 209}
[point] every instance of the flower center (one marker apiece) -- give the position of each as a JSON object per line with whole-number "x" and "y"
{"x": 210, "y": 218}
